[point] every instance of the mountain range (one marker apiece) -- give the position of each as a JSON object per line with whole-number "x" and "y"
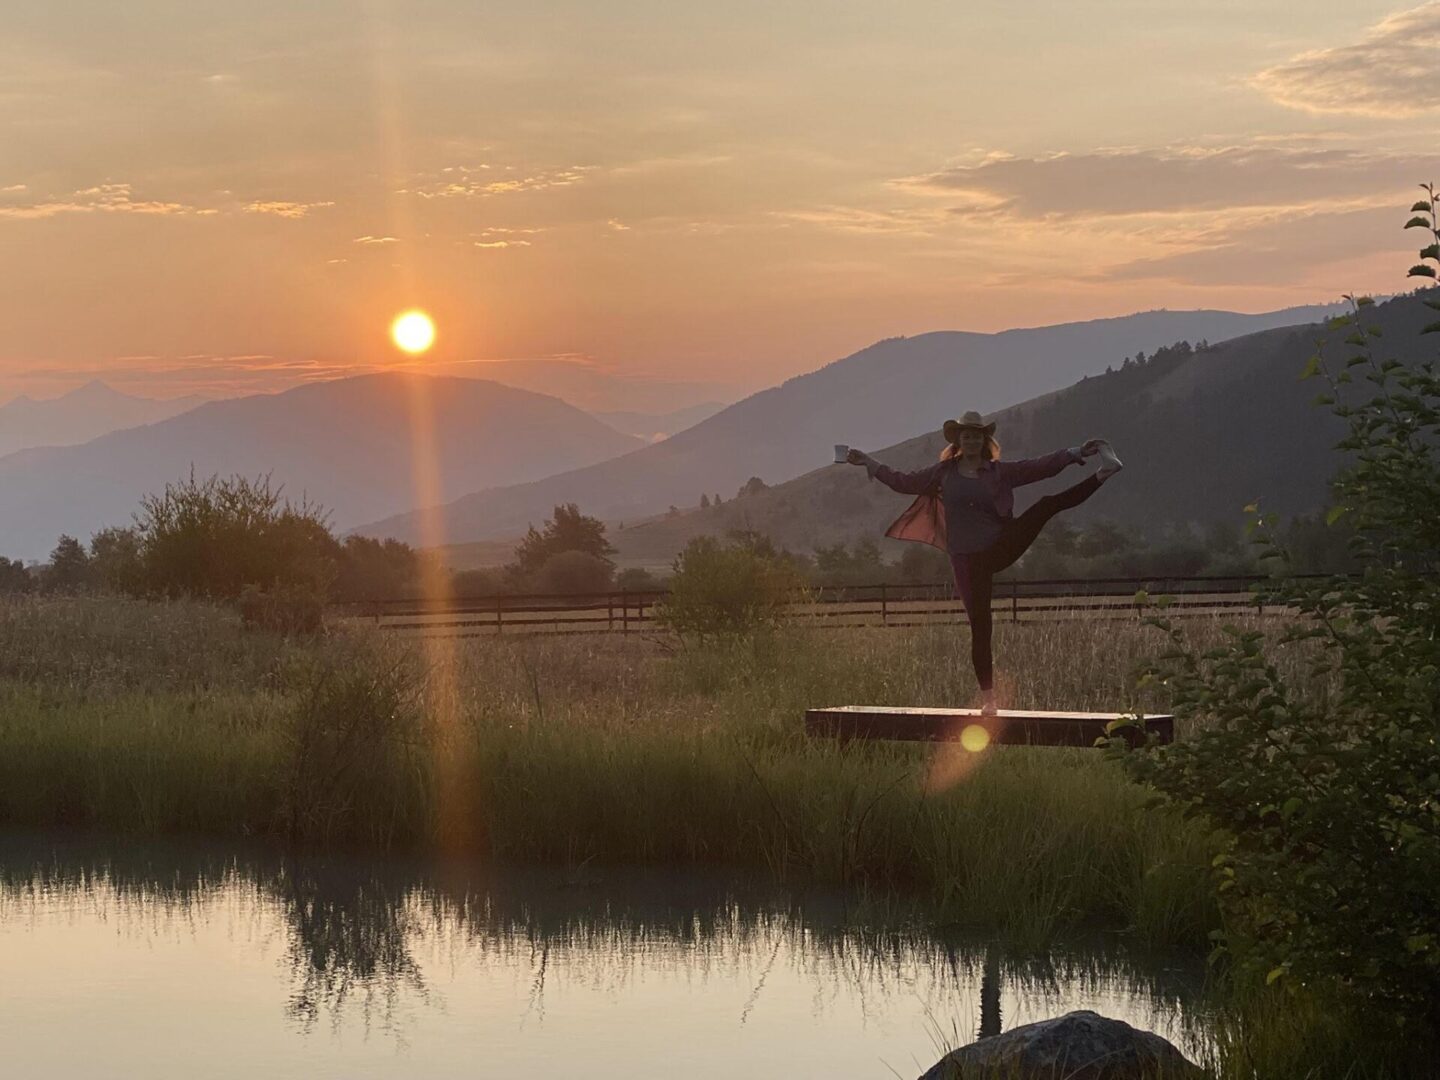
{"x": 875, "y": 397}
{"x": 349, "y": 444}
{"x": 652, "y": 427}
{"x": 83, "y": 414}
{"x": 1202, "y": 433}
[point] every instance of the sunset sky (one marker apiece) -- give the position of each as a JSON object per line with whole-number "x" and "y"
{"x": 233, "y": 198}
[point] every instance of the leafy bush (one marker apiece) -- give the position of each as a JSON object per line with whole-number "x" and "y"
{"x": 1329, "y": 789}
{"x": 727, "y": 588}
{"x": 213, "y": 537}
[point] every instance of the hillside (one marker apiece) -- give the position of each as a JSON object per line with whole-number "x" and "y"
{"x": 1202, "y": 434}
{"x": 349, "y": 444}
{"x": 875, "y": 397}
{"x": 83, "y": 414}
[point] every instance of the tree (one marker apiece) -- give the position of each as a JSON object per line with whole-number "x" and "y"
{"x": 1327, "y": 786}
{"x": 567, "y": 530}
{"x": 370, "y": 569}
{"x": 753, "y": 486}
{"x": 704, "y": 502}
{"x": 570, "y": 572}
{"x": 115, "y": 560}
{"x": 14, "y": 578}
{"x": 69, "y": 569}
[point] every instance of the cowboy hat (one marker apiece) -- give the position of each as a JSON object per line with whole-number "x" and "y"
{"x": 971, "y": 419}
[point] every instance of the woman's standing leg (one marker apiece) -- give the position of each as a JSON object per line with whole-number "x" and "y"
{"x": 974, "y": 586}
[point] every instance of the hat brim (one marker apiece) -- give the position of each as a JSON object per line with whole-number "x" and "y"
{"x": 953, "y": 428}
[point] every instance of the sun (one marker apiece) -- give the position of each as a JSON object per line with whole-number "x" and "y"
{"x": 413, "y": 332}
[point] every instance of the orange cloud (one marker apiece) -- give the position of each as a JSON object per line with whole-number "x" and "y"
{"x": 103, "y": 198}
{"x": 466, "y": 188}
{"x": 1391, "y": 72}
{"x": 1169, "y": 180}
{"x": 284, "y": 209}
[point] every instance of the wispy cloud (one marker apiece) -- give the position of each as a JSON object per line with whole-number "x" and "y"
{"x": 1393, "y": 71}
{"x": 1168, "y": 180}
{"x": 461, "y": 182}
{"x": 101, "y": 199}
{"x": 376, "y": 240}
{"x": 285, "y": 209}
{"x": 500, "y": 243}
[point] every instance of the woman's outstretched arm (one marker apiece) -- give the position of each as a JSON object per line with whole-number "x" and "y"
{"x": 907, "y": 483}
{"x": 1029, "y": 470}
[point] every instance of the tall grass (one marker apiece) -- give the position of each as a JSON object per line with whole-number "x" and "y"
{"x": 171, "y": 718}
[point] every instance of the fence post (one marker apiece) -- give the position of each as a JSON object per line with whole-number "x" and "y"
{"x": 1014, "y": 601}
{"x": 884, "y": 607}
{"x": 610, "y": 612}
{"x": 625, "y": 612}
{"x": 499, "y": 615}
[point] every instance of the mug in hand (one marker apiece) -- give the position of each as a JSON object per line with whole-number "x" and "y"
{"x": 841, "y": 450}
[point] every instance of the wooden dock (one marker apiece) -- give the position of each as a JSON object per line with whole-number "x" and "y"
{"x": 1007, "y": 727}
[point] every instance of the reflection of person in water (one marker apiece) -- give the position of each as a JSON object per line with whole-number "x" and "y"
{"x": 967, "y": 509}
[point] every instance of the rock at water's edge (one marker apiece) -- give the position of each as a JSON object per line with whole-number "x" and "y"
{"x": 1080, "y": 1045}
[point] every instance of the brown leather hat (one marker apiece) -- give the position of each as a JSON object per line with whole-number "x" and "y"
{"x": 971, "y": 419}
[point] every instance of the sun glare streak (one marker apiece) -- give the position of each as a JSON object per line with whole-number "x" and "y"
{"x": 456, "y": 824}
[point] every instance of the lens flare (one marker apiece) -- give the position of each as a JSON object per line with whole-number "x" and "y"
{"x": 975, "y": 738}
{"x": 413, "y": 332}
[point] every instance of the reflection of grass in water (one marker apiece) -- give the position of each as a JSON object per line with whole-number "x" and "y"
{"x": 352, "y": 929}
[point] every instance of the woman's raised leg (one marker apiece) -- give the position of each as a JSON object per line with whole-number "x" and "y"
{"x": 1021, "y": 533}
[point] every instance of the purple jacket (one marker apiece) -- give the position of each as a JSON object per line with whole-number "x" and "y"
{"x": 924, "y": 521}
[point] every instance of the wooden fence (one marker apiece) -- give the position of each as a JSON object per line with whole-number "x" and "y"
{"x": 835, "y": 606}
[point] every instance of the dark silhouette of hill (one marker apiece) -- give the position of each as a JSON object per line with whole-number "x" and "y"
{"x": 348, "y": 444}
{"x": 1202, "y": 433}
{"x": 83, "y": 414}
{"x": 874, "y": 397}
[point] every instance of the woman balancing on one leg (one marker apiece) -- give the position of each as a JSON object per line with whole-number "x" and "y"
{"x": 967, "y": 509}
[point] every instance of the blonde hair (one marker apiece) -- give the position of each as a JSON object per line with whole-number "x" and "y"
{"x": 992, "y": 450}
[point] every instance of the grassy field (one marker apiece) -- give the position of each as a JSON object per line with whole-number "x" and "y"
{"x": 154, "y": 718}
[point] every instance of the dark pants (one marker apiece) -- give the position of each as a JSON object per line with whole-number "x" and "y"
{"x": 975, "y": 573}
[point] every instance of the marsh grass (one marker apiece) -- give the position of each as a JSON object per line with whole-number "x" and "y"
{"x": 172, "y": 718}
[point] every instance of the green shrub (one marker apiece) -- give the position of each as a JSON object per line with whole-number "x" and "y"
{"x": 1328, "y": 787}
{"x": 211, "y": 538}
{"x": 727, "y": 588}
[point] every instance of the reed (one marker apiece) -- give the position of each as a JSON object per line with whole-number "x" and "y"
{"x": 170, "y": 718}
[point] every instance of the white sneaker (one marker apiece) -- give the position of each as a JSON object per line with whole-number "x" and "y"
{"x": 1109, "y": 463}
{"x": 987, "y": 703}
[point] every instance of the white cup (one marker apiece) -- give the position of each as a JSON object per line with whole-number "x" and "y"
{"x": 841, "y": 450}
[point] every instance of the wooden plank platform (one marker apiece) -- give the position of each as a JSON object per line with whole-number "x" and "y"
{"x": 1008, "y": 727}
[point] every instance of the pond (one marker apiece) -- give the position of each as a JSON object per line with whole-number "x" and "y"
{"x": 125, "y": 959}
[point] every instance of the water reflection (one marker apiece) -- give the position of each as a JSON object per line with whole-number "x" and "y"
{"x": 527, "y": 967}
